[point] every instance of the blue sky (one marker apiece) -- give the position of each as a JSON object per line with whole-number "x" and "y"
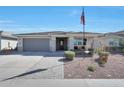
{"x": 60, "y": 18}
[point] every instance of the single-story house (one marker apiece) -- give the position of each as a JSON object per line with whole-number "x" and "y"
{"x": 7, "y": 40}
{"x": 53, "y": 41}
{"x": 106, "y": 41}
{"x": 109, "y": 40}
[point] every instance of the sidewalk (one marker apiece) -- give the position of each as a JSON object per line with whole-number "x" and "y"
{"x": 63, "y": 83}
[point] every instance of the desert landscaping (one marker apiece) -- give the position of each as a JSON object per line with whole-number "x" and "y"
{"x": 78, "y": 69}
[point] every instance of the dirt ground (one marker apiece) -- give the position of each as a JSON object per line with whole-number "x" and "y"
{"x": 113, "y": 69}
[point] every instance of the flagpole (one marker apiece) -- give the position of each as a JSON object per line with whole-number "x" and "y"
{"x": 84, "y": 35}
{"x": 83, "y": 31}
{"x": 83, "y": 25}
{"x": 83, "y": 22}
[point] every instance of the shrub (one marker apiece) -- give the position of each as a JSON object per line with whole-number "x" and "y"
{"x": 121, "y": 42}
{"x": 91, "y": 51}
{"x": 91, "y": 68}
{"x": 103, "y": 56}
{"x": 102, "y": 63}
{"x": 123, "y": 50}
{"x": 83, "y": 47}
{"x": 69, "y": 55}
{"x": 98, "y": 50}
{"x": 114, "y": 48}
{"x": 71, "y": 49}
{"x": 75, "y": 47}
{"x": 103, "y": 53}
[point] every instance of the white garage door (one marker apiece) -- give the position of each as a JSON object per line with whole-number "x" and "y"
{"x": 36, "y": 44}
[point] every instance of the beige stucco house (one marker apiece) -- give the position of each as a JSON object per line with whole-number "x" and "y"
{"x": 108, "y": 40}
{"x": 57, "y": 40}
{"x": 7, "y": 40}
{"x": 53, "y": 41}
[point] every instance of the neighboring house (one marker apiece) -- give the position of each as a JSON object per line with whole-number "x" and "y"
{"x": 7, "y": 41}
{"x": 53, "y": 41}
{"x": 108, "y": 40}
{"x": 116, "y": 38}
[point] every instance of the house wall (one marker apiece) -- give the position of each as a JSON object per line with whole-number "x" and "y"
{"x": 53, "y": 44}
{"x": 105, "y": 42}
{"x": 109, "y": 40}
{"x": 97, "y": 43}
{"x": 88, "y": 44}
{"x": 70, "y": 43}
{"x": 71, "y": 39}
{"x": 20, "y": 44}
{"x": 7, "y": 43}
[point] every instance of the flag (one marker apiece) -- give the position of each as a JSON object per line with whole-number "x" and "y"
{"x": 82, "y": 18}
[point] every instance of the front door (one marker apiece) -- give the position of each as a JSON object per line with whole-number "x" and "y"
{"x": 61, "y": 43}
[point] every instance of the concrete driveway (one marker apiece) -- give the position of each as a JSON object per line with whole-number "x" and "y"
{"x": 30, "y": 65}
{"x": 43, "y": 69}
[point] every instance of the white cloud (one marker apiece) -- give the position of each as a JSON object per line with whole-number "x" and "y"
{"x": 19, "y": 29}
{"x": 12, "y": 25}
{"x": 74, "y": 12}
{"x": 6, "y": 21}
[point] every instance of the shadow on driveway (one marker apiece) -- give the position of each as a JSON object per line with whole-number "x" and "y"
{"x": 45, "y": 54}
{"x": 65, "y": 60}
{"x": 24, "y": 74}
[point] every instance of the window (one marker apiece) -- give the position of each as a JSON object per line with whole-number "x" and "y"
{"x": 61, "y": 43}
{"x": 75, "y": 43}
{"x": 112, "y": 43}
{"x": 79, "y": 43}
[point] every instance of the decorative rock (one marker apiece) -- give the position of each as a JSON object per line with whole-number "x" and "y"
{"x": 89, "y": 75}
{"x": 69, "y": 75}
{"x": 108, "y": 75}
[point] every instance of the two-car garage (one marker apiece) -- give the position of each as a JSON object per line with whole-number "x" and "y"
{"x": 36, "y": 44}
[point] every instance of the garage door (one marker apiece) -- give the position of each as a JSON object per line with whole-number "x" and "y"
{"x": 36, "y": 44}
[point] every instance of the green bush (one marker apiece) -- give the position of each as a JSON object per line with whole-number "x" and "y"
{"x": 103, "y": 58}
{"x": 121, "y": 43}
{"x": 69, "y": 55}
{"x": 123, "y": 50}
{"x": 91, "y": 68}
{"x": 103, "y": 53}
{"x": 114, "y": 48}
{"x": 91, "y": 51}
{"x": 98, "y": 50}
{"x": 102, "y": 63}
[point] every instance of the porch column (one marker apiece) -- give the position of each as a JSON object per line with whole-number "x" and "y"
{"x": 20, "y": 44}
{"x": 70, "y": 43}
{"x": 53, "y": 44}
